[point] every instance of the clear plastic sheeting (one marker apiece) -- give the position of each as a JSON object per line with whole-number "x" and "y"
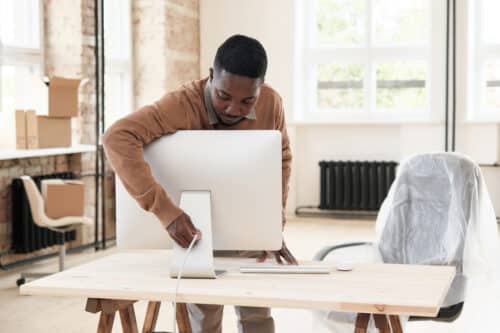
{"x": 437, "y": 212}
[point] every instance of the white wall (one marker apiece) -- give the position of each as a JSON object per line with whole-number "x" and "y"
{"x": 273, "y": 23}
{"x": 344, "y": 142}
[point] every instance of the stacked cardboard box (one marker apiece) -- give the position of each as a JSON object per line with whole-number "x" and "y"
{"x": 37, "y": 131}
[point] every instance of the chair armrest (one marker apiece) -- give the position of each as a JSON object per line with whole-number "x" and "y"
{"x": 321, "y": 254}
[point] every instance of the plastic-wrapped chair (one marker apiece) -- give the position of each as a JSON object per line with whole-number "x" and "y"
{"x": 437, "y": 212}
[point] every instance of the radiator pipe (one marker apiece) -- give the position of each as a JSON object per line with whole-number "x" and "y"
{"x": 102, "y": 113}
{"x": 447, "y": 62}
{"x": 454, "y": 79}
{"x": 97, "y": 148}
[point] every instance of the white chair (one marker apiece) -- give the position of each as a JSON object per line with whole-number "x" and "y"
{"x": 437, "y": 212}
{"x": 60, "y": 225}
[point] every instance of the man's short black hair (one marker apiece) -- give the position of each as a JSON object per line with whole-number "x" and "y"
{"x": 242, "y": 55}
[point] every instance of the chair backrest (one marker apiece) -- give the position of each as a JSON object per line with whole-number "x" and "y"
{"x": 36, "y": 202}
{"x": 439, "y": 212}
{"x": 425, "y": 217}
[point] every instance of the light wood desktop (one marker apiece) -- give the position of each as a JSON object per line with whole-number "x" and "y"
{"x": 115, "y": 282}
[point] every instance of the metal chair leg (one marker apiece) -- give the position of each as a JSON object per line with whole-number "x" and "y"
{"x": 33, "y": 275}
{"x": 62, "y": 253}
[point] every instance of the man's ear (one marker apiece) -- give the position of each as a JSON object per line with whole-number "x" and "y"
{"x": 211, "y": 75}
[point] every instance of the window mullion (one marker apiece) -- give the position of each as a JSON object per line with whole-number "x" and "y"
{"x": 23, "y": 51}
{"x": 477, "y": 58}
{"x": 328, "y": 55}
{"x": 436, "y": 59}
{"x": 311, "y": 34}
{"x": 15, "y": 58}
{"x": 370, "y": 75}
{"x": 481, "y": 58}
{"x": 399, "y": 52}
{"x": 20, "y": 29}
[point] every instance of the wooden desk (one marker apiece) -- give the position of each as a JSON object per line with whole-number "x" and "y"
{"x": 114, "y": 283}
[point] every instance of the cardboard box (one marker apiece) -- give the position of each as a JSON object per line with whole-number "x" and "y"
{"x": 21, "y": 139}
{"x": 47, "y": 132}
{"x": 31, "y": 130}
{"x": 63, "y": 197}
{"x": 63, "y": 97}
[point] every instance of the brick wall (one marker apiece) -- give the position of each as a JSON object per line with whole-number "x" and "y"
{"x": 166, "y": 50}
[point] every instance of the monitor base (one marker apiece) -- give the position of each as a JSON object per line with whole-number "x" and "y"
{"x": 200, "y": 261}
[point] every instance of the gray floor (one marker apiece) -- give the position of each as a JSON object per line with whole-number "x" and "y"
{"x": 304, "y": 236}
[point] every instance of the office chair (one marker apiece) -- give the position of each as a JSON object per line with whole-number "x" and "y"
{"x": 60, "y": 225}
{"x": 437, "y": 212}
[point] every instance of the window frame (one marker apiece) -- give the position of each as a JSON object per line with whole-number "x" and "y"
{"x": 122, "y": 65}
{"x": 433, "y": 54}
{"x": 25, "y": 56}
{"x": 478, "y": 53}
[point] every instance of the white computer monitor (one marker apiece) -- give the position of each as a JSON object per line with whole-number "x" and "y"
{"x": 242, "y": 171}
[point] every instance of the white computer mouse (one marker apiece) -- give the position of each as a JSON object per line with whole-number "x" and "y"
{"x": 345, "y": 267}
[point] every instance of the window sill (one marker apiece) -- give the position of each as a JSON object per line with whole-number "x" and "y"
{"x": 480, "y": 122}
{"x": 29, "y": 153}
{"x": 342, "y": 122}
{"x": 342, "y": 117}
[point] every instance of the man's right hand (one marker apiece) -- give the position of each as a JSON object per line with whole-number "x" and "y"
{"x": 183, "y": 231}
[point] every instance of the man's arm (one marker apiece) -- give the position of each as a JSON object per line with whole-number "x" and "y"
{"x": 124, "y": 145}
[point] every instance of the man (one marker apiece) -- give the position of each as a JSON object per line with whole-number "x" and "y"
{"x": 234, "y": 96}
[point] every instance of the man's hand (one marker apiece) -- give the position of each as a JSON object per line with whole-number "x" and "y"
{"x": 284, "y": 252}
{"x": 183, "y": 231}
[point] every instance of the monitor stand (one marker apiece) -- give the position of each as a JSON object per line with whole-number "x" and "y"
{"x": 200, "y": 262}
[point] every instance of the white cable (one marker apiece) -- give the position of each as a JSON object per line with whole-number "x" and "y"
{"x": 179, "y": 274}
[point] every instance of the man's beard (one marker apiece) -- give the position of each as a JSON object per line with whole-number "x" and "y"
{"x": 237, "y": 120}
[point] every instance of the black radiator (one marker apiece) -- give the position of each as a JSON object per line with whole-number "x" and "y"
{"x": 26, "y": 235}
{"x": 346, "y": 185}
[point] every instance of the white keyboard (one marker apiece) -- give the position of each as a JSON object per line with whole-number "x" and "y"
{"x": 285, "y": 269}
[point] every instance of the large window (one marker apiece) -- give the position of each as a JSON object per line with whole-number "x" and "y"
{"x": 118, "y": 67}
{"x": 21, "y": 86}
{"x": 374, "y": 60}
{"x": 485, "y": 59}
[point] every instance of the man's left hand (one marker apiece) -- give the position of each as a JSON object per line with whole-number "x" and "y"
{"x": 284, "y": 253}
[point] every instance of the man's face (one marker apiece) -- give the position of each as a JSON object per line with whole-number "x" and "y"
{"x": 233, "y": 96}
